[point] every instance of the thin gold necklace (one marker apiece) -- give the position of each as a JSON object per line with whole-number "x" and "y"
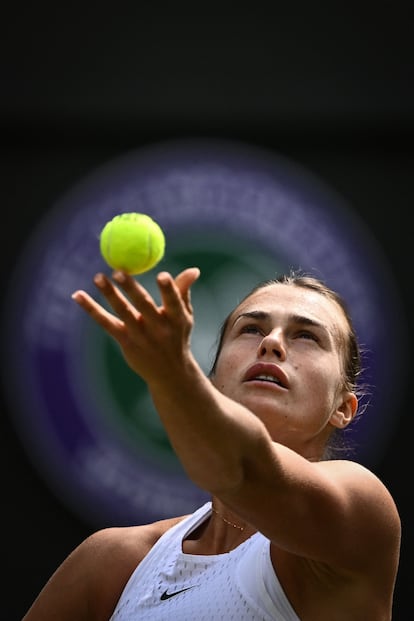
{"x": 214, "y": 510}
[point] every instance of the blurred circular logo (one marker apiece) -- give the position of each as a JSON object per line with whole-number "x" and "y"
{"x": 240, "y": 213}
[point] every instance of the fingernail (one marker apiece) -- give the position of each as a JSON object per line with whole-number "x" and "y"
{"x": 119, "y": 276}
{"x": 163, "y": 278}
{"x": 99, "y": 280}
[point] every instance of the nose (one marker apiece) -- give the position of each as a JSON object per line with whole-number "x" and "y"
{"x": 273, "y": 345}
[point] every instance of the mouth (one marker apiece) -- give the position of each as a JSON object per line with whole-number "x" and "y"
{"x": 266, "y": 378}
{"x": 268, "y": 373}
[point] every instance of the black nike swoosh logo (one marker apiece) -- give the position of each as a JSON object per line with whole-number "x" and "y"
{"x": 167, "y": 595}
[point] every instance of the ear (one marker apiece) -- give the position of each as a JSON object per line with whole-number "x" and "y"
{"x": 344, "y": 414}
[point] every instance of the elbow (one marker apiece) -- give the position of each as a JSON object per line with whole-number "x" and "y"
{"x": 226, "y": 472}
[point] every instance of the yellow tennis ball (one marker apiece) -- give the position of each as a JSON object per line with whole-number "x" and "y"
{"x": 132, "y": 242}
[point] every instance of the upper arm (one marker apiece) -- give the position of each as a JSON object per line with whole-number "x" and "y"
{"x": 335, "y": 512}
{"x": 354, "y": 520}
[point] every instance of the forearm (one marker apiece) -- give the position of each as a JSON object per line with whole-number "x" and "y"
{"x": 215, "y": 438}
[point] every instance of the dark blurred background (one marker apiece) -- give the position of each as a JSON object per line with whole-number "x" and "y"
{"x": 330, "y": 86}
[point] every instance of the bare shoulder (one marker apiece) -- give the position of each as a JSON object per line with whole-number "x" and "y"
{"x": 124, "y": 547}
{"x": 367, "y": 501}
{"x": 121, "y": 549}
{"x": 359, "y": 480}
{"x": 89, "y": 582}
{"x": 134, "y": 540}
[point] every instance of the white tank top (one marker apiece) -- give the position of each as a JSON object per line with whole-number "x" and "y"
{"x": 169, "y": 585}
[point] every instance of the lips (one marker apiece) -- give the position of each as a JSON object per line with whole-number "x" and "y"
{"x": 267, "y": 372}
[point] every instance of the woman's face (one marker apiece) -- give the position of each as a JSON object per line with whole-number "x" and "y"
{"x": 282, "y": 357}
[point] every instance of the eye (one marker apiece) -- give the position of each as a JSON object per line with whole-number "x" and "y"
{"x": 305, "y": 334}
{"x": 250, "y": 328}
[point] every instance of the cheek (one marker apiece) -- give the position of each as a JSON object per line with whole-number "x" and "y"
{"x": 226, "y": 372}
{"x": 321, "y": 379}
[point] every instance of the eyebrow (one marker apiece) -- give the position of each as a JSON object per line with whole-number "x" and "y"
{"x": 252, "y": 315}
{"x": 299, "y": 319}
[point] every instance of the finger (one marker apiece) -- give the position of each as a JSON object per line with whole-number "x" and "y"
{"x": 184, "y": 282}
{"x": 109, "y": 322}
{"x": 137, "y": 294}
{"x": 117, "y": 300}
{"x": 170, "y": 294}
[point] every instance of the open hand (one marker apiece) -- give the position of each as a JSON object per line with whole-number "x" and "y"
{"x": 152, "y": 338}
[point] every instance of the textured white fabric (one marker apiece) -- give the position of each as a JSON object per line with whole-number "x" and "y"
{"x": 240, "y": 585}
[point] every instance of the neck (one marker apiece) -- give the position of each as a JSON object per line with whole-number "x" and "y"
{"x": 226, "y": 517}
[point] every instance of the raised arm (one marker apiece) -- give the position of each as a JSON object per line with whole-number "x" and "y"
{"x": 156, "y": 343}
{"x": 333, "y": 512}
